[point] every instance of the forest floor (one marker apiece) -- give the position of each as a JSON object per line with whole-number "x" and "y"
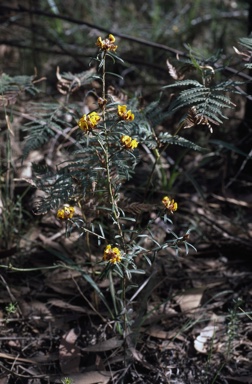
{"x": 191, "y": 324}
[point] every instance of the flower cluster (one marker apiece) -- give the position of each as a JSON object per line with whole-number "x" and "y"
{"x": 107, "y": 44}
{"x": 88, "y": 122}
{"x": 125, "y": 114}
{"x": 171, "y": 205}
{"x": 113, "y": 255}
{"x": 128, "y": 142}
{"x": 66, "y": 212}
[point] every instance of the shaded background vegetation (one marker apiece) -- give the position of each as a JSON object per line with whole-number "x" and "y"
{"x": 213, "y": 190}
{"x": 37, "y": 37}
{"x": 49, "y": 33}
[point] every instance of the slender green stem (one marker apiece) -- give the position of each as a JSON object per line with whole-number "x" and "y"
{"x": 112, "y": 291}
{"x": 115, "y": 210}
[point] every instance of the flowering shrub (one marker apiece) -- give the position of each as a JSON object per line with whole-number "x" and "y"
{"x": 86, "y": 189}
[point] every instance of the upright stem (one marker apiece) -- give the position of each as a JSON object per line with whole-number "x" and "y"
{"x": 115, "y": 210}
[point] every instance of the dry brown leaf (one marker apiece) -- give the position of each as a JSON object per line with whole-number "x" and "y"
{"x": 169, "y": 345}
{"x": 172, "y": 70}
{"x": 62, "y": 281}
{"x": 157, "y": 310}
{"x": 35, "y": 309}
{"x": 156, "y": 331}
{"x": 76, "y": 308}
{"x": 16, "y": 358}
{"x": 69, "y": 353}
{"x": 190, "y": 300}
{"x": 59, "y": 276}
{"x": 159, "y": 333}
{"x": 106, "y": 345}
{"x": 93, "y": 377}
{"x": 53, "y": 244}
{"x": 67, "y": 290}
{"x": 231, "y": 200}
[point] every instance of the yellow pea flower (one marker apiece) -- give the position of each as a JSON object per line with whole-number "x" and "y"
{"x": 128, "y": 142}
{"x": 113, "y": 255}
{"x": 107, "y": 44}
{"x": 171, "y": 205}
{"x": 125, "y": 114}
{"x": 66, "y": 212}
{"x": 88, "y": 122}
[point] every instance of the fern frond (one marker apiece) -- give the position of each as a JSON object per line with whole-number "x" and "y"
{"x": 166, "y": 137}
{"x": 207, "y": 97}
{"x": 47, "y": 122}
{"x": 184, "y": 83}
{"x": 246, "y": 42}
{"x": 12, "y": 87}
{"x": 209, "y": 101}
